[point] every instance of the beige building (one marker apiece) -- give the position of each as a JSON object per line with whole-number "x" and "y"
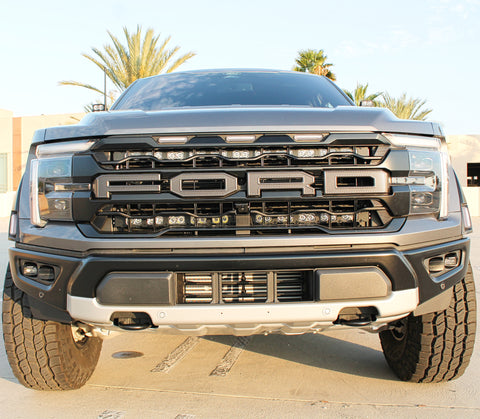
{"x": 464, "y": 151}
{"x": 16, "y": 135}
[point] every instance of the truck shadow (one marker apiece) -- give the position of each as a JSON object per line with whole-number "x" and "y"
{"x": 320, "y": 351}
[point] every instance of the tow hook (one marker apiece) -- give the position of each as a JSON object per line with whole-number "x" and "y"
{"x": 131, "y": 320}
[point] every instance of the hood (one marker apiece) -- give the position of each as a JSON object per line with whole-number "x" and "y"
{"x": 238, "y": 120}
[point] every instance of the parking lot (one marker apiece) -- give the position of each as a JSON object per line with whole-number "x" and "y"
{"x": 339, "y": 374}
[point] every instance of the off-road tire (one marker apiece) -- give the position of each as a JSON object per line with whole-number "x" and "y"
{"x": 435, "y": 347}
{"x": 44, "y": 355}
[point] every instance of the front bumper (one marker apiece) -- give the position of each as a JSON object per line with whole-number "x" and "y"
{"x": 74, "y": 291}
{"x": 248, "y": 319}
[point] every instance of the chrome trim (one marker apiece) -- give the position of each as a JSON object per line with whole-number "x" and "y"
{"x": 246, "y": 318}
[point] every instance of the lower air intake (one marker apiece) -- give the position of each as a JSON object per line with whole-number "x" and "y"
{"x": 244, "y": 287}
{"x": 197, "y": 288}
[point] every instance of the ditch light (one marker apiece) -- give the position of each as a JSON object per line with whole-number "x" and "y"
{"x": 440, "y": 264}
{"x": 38, "y": 271}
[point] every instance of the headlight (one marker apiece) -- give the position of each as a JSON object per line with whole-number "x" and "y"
{"x": 428, "y": 173}
{"x": 51, "y": 184}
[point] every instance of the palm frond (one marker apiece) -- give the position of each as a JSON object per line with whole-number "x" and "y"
{"x": 406, "y": 108}
{"x": 314, "y": 62}
{"x": 76, "y": 83}
{"x": 360, "y": 93}
{"x": 139, "y": 57}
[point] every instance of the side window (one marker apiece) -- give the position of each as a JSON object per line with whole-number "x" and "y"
{"x": 3, "y": 172}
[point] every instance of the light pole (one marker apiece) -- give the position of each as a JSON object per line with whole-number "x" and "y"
{"x": 105, "y": 88}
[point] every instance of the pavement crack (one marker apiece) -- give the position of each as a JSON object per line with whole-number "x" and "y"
{"x": 176, "y": 355}
{"x": 231, "y": 356}
{"x": 286, "y": 399}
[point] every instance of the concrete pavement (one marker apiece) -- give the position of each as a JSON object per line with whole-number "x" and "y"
{"x": 337, "y": 374}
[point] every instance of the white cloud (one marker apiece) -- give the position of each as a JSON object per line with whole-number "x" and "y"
{"x": 442, "y": 34}
{"x": 452, "y": 21}
{"x": 394, "y": 40}
{"x": 402, "y": 38}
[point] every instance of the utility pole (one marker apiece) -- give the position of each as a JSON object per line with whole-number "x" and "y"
{"x": 105, "y": 88}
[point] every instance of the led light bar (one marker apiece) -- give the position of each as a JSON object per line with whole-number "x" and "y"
{"x": 402, "y": 140}
{"x": 34, "y": 207}
{"x": 171, "y": 139}
{"x": 176, "y": 155}
{"x": 445, "y": 158}
{"x": 309, "y": 137}
{"x": 240, "y": 138}
{"x": 67, "y": 148}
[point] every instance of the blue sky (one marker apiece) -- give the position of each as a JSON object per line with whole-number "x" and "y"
{"x": 429, "y": 49}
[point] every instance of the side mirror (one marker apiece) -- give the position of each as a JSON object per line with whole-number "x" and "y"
{"x": 367, "y": 103}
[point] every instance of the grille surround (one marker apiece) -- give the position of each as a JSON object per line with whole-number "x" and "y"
{"x": 212, "y": 187}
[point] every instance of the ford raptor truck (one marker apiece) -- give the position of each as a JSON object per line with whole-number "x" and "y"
{"x": 238, "y": 202}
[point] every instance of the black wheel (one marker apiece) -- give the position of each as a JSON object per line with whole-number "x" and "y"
{"x": 45, "y": 355}
{"x": 434, "y": 347}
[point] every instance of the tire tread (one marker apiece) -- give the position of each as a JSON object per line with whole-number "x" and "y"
{"x": 40, "y": 352}
{"x": 437, "y": 346}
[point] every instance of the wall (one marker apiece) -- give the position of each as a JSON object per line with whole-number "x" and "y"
{"x": 6, "y": 141}
{"x": 465, "y": 149}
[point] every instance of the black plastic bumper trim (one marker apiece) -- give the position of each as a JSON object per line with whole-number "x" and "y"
{"x": 133, "y": 288}
{"x": 81, "y": 277}
{"x": 429, "y": 286}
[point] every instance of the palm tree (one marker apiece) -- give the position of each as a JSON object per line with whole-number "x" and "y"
{"x": 314, "y": 62}
{"x": 405, "y": 108}
{"x": 360, "y": 93}
{"x": 140, "y": 57}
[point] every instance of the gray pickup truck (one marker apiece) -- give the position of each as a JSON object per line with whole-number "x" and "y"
{"x": 238, "y": 202}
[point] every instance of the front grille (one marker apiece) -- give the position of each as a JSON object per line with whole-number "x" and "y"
{"x": 244, "y": 287}
{"x": 226, "y": 218}
{"x": 210, "y": 187}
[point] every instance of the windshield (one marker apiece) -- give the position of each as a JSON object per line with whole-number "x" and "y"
{"x": 230, "y": 88}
